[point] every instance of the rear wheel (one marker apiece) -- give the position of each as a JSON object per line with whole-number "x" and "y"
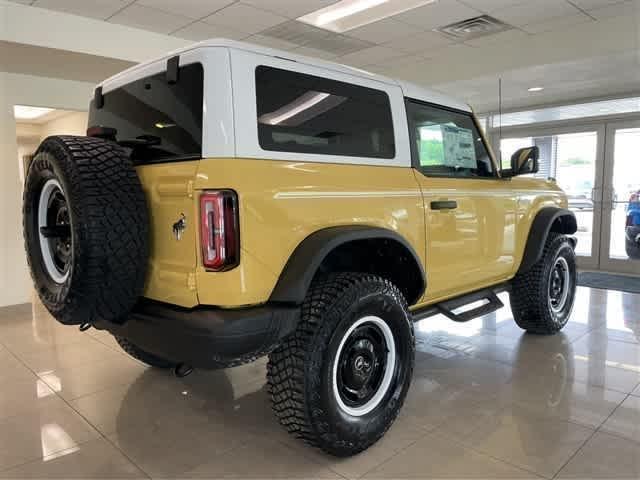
{"x": 339, "y": 381}
{"x": 542, "y": 298}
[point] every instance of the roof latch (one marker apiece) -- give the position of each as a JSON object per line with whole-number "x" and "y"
{"x": 98, "y": 98}
{"x": 173, "y": 67}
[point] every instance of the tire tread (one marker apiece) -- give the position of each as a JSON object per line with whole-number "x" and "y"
{"x": 286, "y": 369}
{"x": 107, "y": 201}
{"x": 529, "y": 292}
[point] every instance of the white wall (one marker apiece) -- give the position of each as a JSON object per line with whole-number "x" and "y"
{"x": 74, "y": 123}
{"x": 15, "y": 283}
{"x": 28, "y": 138}
{"x": 14, "y": 279}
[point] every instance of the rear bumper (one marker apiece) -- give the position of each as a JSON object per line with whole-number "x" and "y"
{"x": 206, "y": 337}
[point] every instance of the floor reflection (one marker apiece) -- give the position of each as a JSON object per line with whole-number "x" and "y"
{"x": 56, "y": 441}
{"x": 491, "y": 400}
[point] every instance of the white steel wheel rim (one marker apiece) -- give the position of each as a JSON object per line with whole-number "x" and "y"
{"x": 48, "y": 189}
{"x": 562, "y": 264}
{"x": 387, "y": 378}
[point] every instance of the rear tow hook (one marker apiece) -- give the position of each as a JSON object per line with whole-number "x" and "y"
{"x": 182, "y": 370}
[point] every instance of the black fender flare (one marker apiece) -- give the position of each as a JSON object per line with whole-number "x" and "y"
{"x": 560, "y": 220}
{"x": 296, "y": 277}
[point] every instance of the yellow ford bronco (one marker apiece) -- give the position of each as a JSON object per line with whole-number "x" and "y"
{"x": 231, "y": 201}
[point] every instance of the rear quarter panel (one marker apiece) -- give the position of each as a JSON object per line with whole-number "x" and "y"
{"x": 282, "y": 202}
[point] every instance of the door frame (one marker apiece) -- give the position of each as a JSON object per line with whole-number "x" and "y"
{"x": 606, "y": 263}
{"x": 584, "y": 262}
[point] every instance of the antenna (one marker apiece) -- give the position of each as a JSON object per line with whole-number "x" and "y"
{"x": 500, "y": 119}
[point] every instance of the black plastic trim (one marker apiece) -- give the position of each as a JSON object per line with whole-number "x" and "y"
{"x": 305, "y": 260}
{"x": 205, "y": 337}
{"x": 173, "y": 70}
{"x": 445, "y": 307}
{"x": 98, "y": 98}
{"x": 175, "y": 158}
{"x": 539, "y": 232}
{"x": 444, "y": 205}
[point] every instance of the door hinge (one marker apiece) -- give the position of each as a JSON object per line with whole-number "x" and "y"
{"x": 191, "y": 281}
{"x": 190, "y": 189}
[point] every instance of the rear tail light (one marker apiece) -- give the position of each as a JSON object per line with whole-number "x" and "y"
{"x": 219, "y": 230}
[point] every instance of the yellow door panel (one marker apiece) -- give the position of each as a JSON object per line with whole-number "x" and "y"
{"x": 170, "y": 195}
{"x": 471, "y": 244}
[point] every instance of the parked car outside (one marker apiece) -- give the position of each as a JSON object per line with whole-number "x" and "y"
{"x": 632, "y": 226}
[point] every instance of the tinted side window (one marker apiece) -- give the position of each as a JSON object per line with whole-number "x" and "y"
{"x": 164, "y": 119}
{"x": 447, "y": 142}
{"x": 308, "y": 114}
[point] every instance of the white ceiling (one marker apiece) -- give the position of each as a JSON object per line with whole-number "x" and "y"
{"x": 405, "y": 46}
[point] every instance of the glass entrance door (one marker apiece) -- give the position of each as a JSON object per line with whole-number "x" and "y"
{"x": 573, "y": 156}
{"x": 620, "y": 236}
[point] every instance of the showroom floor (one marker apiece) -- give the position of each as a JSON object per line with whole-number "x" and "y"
{"x": 486, "y": 402}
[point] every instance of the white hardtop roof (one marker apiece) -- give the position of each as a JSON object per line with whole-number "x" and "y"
{"x": 409, "y": 89}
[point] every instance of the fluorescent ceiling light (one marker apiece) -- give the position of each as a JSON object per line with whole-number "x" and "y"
{"x": 307, "y": 106}
{"x": 348, "y": 14}
{"x": 22, "y": 112}
{"x": 350, "y": 7}
{"x": 535, "y": 89}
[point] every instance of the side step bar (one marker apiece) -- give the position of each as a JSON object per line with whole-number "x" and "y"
{"x": 488, "y": 296}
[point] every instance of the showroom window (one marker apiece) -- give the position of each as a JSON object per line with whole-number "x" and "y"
{"x": 447, "y": 143}
{"x": 155, "y": 119}
{"x": 309, "y": 114}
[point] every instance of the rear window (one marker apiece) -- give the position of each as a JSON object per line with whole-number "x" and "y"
{"x": 156, "y": 120}
{"x": 309, "y": 114}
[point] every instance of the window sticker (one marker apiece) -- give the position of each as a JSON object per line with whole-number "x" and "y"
{"x": 459, "y": 151}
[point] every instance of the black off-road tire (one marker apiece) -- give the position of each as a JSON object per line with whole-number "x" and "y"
{"x": 108, "y": 225}
{"x": 144, "y": 357}
{"x": 530, "y": 291}
{"x": 632, "y": 248}
{"x": 301, "y": 372}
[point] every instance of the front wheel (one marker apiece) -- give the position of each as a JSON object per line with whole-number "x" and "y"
{"x": 632, "y": 242}
{"x": 542, "y": 298}
{"x": 339, "y": 381}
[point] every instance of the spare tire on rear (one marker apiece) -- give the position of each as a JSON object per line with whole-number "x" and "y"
{"x": 85, "y": 226}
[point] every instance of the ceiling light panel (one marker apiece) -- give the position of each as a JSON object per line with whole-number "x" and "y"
{"x": 23, "y": 112}
{"x": 348, "y": 14}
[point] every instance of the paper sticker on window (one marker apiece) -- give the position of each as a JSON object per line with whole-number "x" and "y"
{"x": 459, "y": 150}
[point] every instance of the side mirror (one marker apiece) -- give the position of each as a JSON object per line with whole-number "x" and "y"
{"x": 523, "y": 161}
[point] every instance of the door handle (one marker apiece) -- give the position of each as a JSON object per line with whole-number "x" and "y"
{"x": 444, "y": 205}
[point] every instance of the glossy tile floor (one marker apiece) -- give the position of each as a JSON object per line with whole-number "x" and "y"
{"x": 486, "y": 401}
